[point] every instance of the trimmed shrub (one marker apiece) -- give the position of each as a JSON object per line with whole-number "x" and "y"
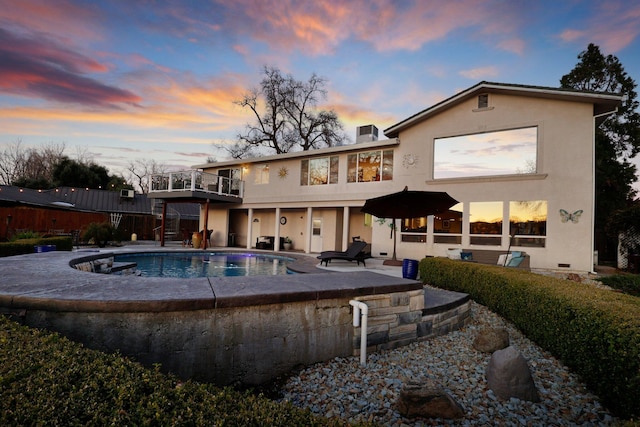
{"x": 25, "y": 246}
{"x": 627, "y": 283}
{"x": 45, "y": 379}
{"x": 100, "y": 233}
{"x": 595, "y": 332}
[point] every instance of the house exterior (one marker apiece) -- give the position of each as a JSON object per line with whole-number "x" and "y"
{"x": 519, "y": 159}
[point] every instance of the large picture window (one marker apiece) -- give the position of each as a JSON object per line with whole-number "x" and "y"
{"x": 506, "y": 152}
{"x": 319, "y": 171}
{"x": 528, "y": 223}
{"x": 370, "y": 166}
{"x": 485, "y": 223}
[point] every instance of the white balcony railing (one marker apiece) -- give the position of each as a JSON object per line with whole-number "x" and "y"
{"x": 194, "y": 180}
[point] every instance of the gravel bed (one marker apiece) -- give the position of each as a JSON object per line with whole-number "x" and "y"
{"x": 344, "y": 389}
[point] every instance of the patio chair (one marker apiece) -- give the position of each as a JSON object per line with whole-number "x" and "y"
{"x": 353, "y": 253}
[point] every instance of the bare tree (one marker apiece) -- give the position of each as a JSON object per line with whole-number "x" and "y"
{"x": 29, "y": 165}
{"x": 290, "y": 119}
{"x": 139, "y": 172}
{"x": 314, "y": 129}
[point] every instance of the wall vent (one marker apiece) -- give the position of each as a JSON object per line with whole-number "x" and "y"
{"x": 564, "y": 265}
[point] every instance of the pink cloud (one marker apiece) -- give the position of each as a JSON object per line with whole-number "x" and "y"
{"x": 37, "y": 67}
{"x": 319, "y": 27}
{"x": 45, "y": 16}
{"x": 613, "y": 26}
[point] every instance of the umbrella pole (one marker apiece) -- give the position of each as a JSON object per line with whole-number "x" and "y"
{"x": 395, "y": 238}
{"x": 393, "y": 261}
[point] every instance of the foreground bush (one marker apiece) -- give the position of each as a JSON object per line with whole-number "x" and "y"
{"x": 595, "y": 332}
{"x": 25, "y": 246}
{"x": 46, "y": 379}
{"x": 627, "y": 283}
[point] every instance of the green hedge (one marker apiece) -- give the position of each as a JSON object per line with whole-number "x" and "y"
{"x": 46, "y": 379}
{"x": 25, "y": 246}
{"x": 627, "y": 283}
{"x": 595, "y": 332}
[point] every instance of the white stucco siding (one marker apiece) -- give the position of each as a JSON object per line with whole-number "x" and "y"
{"x": 563, "y": 177}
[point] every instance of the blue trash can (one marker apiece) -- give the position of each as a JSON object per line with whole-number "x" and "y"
{"x": 410, "y": 269}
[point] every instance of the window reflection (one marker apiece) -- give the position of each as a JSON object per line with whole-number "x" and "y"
{"x": 528, "y": 222}
{"x": 494, "y": 153}
{"x": 485, "y": 220}
{"x": 319, "y": 171}
{"x": 447, "y": 226}
{"x": 370, "y": 166}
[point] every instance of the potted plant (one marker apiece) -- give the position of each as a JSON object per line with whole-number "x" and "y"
{"x": 287, "y": 243}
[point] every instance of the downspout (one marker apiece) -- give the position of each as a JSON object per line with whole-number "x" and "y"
{"x": 593, "y": 189}
{"x": 359, "y": 307}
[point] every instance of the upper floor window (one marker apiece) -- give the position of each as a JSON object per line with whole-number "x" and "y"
{"x": 231, "y": 180}
{"x": 370, "y": 166}
{"x": 319, "y": 171}
{"x": 261, "y": 174}
{"x": 504, "y": 152}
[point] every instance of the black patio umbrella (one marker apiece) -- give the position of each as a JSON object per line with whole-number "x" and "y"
{"x": 408, "y": 204}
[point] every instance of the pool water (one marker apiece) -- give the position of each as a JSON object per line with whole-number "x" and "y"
{"x": 208, "y": 264}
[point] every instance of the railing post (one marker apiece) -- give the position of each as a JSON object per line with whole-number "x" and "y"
{"x": 193, "y": 180}
{"x": 170, "y": 182}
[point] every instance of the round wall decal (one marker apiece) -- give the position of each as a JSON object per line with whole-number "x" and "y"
{"x": 283, "y": 220}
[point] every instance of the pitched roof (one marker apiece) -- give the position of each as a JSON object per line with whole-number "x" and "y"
{"x": 88, "y": 200}
{"x": 603, "y": 102}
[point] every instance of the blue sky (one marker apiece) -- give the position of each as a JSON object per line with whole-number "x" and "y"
{"x": 125, "y": 80}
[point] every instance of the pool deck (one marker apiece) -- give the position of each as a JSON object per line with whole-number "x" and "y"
{"x": 46, "y": 281}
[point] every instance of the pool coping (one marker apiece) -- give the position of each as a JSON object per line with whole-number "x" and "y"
{"x": 47, "y": 281}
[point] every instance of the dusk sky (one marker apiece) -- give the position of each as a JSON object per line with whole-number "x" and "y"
{"x": 127, "y": 80}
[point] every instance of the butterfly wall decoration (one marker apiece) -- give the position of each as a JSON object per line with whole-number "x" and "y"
{"x": 573, "y": 217}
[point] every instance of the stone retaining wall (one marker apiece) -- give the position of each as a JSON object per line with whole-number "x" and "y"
{"x": 398, "y": 319}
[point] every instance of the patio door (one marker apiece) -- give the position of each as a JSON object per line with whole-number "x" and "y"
{"x": 316, "y": 235}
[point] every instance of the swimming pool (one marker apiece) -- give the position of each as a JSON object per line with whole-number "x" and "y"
{"x": 207, "y": 264}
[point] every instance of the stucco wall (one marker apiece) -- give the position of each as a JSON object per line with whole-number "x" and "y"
{"x": 564, "y": 179}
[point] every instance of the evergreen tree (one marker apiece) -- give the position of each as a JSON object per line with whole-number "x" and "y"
{"x": 617, "y": 139}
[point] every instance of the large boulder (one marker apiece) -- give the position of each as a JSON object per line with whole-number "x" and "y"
{"x": 427, "y": 400}
{"x": 508, "y": 375}
{"x": 488, "y": 340}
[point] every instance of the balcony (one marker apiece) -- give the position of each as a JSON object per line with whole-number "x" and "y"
{"x": 195, "y": 184}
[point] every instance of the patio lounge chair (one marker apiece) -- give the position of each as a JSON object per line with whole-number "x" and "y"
{"x": 353, "y": 253}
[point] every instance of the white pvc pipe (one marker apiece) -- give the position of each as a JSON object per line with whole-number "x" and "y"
{"x": 360, "y": 307}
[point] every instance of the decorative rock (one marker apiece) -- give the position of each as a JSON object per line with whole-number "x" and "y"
{"x": 427, "y": 400}
{"x": 489, "y": 340}
{"x": 508, "y": 375}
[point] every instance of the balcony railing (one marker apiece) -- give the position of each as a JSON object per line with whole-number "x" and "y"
{"x": 194, "y": 180}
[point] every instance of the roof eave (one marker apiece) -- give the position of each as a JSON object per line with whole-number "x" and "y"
{"x": 603, "y": 102}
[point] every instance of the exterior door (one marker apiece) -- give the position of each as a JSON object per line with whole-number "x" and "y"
{"x": 316, "y": 235}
